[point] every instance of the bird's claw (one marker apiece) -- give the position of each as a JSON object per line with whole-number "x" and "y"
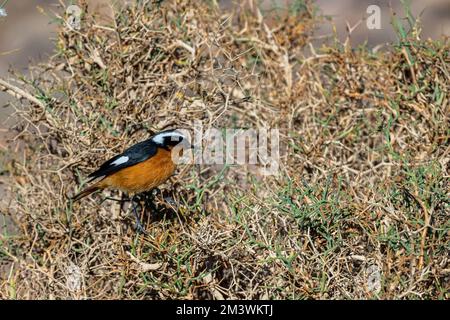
{"x": 140, "y": 228}
{"x": 171, "y": 201}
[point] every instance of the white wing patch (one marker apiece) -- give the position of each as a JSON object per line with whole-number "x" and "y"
{"x": 159, "y": 138}
{"x": 121, "y": 160}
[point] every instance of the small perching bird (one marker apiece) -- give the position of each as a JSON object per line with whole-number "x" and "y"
{"x": 138, "y": 169}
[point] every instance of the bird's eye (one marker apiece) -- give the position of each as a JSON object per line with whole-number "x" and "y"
{"x": 173, "y": 140}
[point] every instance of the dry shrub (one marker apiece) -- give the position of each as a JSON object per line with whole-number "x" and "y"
{"x": 363, "y": 178}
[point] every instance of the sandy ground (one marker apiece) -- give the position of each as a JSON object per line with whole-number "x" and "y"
{"x": 435, "y": 20}
{"x": 25, "y": 35}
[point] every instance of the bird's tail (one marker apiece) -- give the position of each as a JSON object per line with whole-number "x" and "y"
{"x": 87, "y": 192}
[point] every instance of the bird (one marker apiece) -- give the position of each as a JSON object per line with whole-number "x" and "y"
{"x": 139, "y": 169}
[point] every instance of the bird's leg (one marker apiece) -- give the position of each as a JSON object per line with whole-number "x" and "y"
{"x": 150, "y": 200}
{"x": 168, "y": 199}
{"x": 154, "y": 193}
{"x": 171, "y": 201}
{"x": 139, "y": 226}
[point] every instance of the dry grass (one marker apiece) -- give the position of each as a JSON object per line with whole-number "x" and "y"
{"x": 364, "y": 176}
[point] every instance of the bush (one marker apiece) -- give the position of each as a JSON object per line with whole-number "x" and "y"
{"x": 363, "y": 179}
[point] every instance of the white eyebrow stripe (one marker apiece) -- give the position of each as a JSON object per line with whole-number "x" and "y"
{"x": 120, "y": 160}
{"x": 159, "y": 138}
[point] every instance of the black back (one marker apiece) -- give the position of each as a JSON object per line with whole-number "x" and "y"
{"x": 137, "y": 153}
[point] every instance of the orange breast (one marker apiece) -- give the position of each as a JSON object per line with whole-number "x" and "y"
{"x": 143, "y": 176}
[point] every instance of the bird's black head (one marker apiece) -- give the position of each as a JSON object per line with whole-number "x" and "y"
{"x": 168, "y": 139}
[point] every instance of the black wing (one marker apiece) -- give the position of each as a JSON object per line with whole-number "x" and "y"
{"x": 137, "y": 153}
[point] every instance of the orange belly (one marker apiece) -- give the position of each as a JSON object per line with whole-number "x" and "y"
{"x": 143, "y": 176}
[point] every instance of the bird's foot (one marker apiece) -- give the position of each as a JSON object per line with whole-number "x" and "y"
{"x": 140, "y": 228}
{"x": 138, "y": 225}
{"x": 171, "y": 201}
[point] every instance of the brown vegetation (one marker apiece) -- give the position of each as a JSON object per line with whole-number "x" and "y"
{"x": 363, "y": 178}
